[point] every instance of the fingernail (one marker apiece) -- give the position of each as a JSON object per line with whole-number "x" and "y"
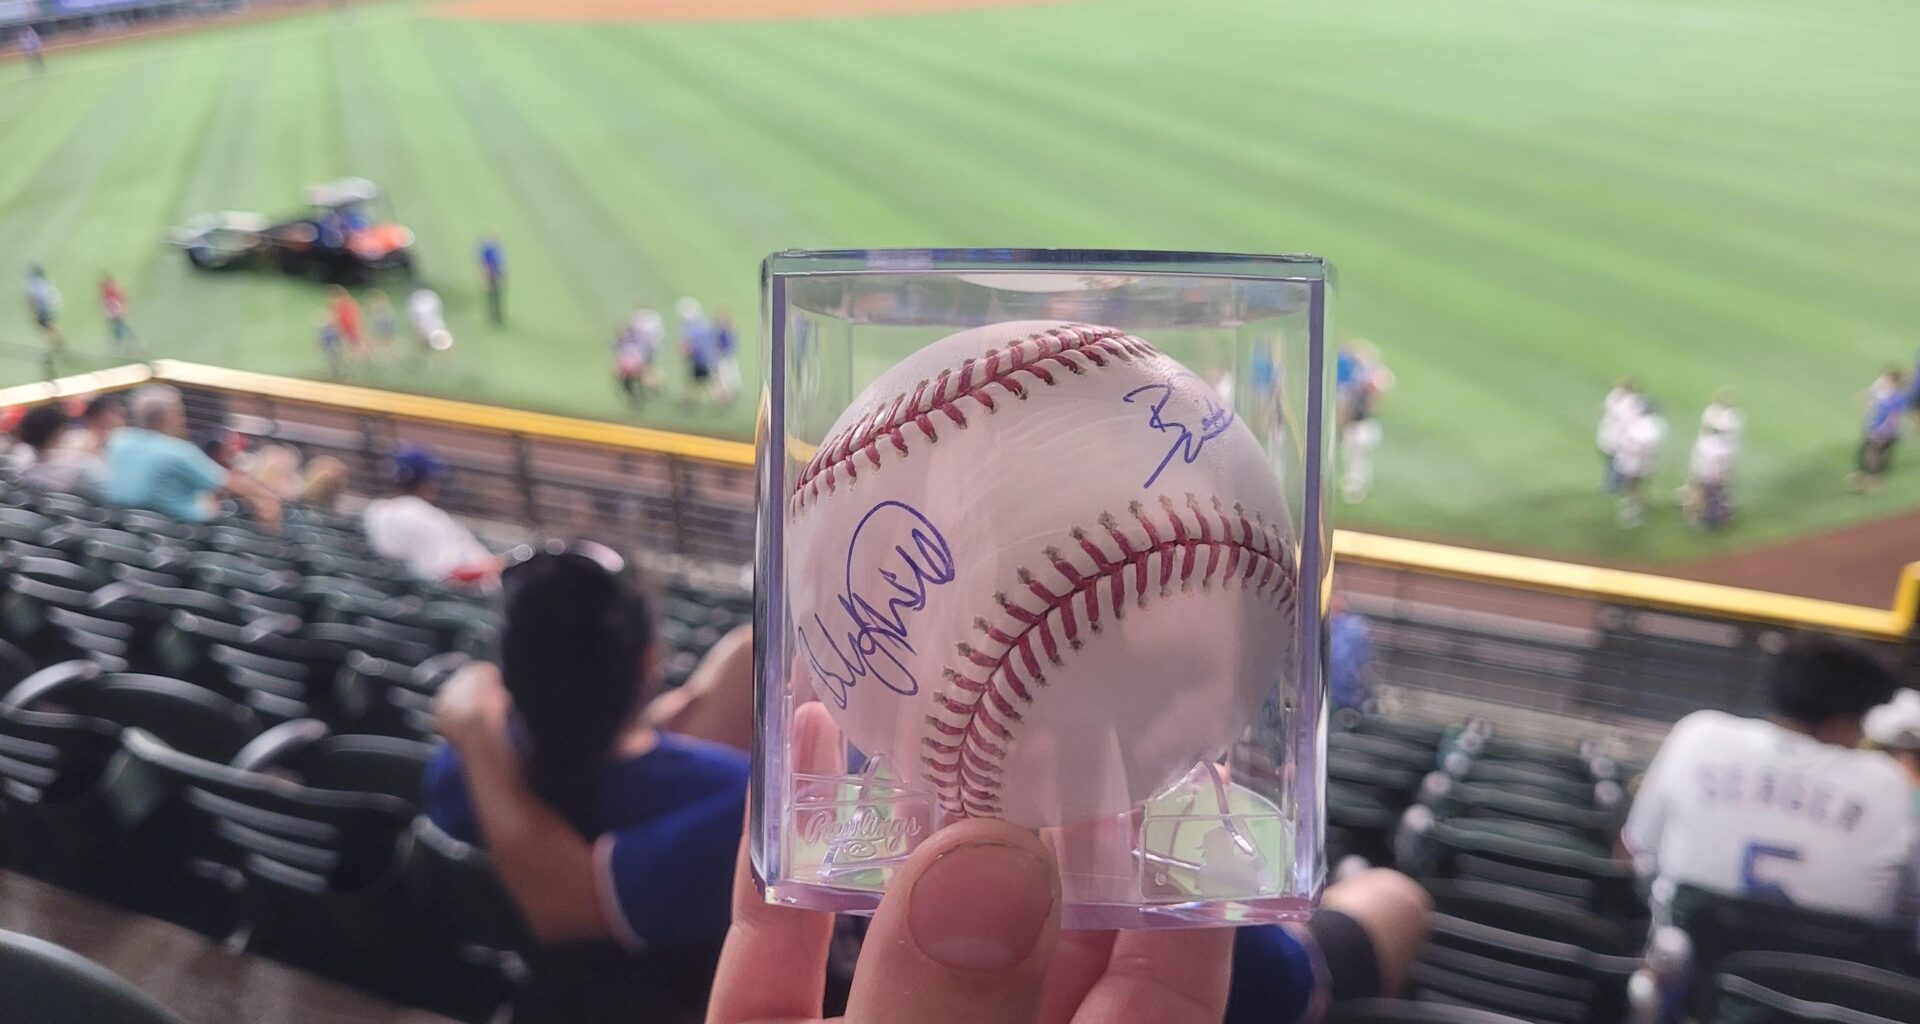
{"x": 980, "y": 907}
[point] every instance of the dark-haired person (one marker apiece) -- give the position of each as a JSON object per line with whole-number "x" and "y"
{"x": 601, "y": 826}
{"x": 409, "y": 528}
{"x": 38, "y": 434}
{"x": 1783, "y": 807}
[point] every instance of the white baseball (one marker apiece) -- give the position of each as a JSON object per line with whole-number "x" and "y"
{"x": 1042, "y": 570}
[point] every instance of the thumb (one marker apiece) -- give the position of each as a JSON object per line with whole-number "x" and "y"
{"x": 965, "y": 932}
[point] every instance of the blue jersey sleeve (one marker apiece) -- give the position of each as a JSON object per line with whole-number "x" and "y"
{"x": 1275, "y": 980}
{"x": 669, "y": 882}
{"x": 448, "y": 804}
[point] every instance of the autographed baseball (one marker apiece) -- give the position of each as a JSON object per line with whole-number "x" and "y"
{"x": 1042, "y": 569}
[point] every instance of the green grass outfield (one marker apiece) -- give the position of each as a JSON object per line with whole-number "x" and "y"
{"x": 1526, "y": 199}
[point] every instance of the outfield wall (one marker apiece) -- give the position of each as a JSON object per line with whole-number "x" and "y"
{"x": 1457, "y": 630}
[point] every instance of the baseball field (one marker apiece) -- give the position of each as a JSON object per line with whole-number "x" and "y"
{"x": 1526, "y": 199}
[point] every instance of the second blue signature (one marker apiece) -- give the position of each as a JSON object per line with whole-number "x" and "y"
{"x": 1188, "y": 439}
{"x": 893, "y": 585}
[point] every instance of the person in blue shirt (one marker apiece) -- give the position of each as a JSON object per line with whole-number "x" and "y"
{"x": 1888, "y": 402}
{"x": 1349, "y": 656}
{"x": 601, "y": 825}
{"x": 151, "y": 465}
{"x": 493, "y": 275}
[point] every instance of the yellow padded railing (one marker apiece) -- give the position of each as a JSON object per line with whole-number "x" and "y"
{"x": 1539, "y": 574}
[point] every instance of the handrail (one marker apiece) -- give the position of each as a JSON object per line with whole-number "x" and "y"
{"x": 466, "y": 414}
{"x": 1637, "y": 587}
{"x": 1894, "y": 623}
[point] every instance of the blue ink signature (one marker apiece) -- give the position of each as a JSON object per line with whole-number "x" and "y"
{"x": 878, "y": 639}
{"x": 1186, "y": 444}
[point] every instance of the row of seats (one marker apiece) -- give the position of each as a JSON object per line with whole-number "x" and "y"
{"x": 171, "y": 800}
{"x": 228, "y": 730}
{"x": 1536, "y": 920}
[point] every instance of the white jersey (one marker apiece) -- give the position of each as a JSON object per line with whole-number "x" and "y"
{"x": 1740, "y": 805}
{"x": 1712, "y": 459}
{"x": 1638, "y": 449}
{"x": 1726, "y": 420}
{"x": 426, "y": 312}
{"x": 431, "y": 543}
{"x": 1619, "y": 410}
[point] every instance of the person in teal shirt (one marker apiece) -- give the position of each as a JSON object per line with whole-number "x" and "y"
{"x": 151, "y": 465}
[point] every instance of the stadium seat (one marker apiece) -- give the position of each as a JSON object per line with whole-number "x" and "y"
{"x": 1788, "y": 988}
{"x": 1518, "y": 952}
{"x": 1395, "y": 785}
{"x": 453, "y": 623}
{"x": 1532, "y": 780}
{"x": 130, "y": 843}
{"x": 1384, "y": 750}
{"x": 1529, "y": 913}
{"x": 1534, "y": 857}
{"x": 24, "y": 525}
{"x": 47, "y": 984}
{"x": 1466, "y": 799}
{"x": 1718, "y": 926}
{"x": 279, "y": 691}
{"x": 219, "y": 572}
{"x": 153, "y": 524}
{"x": 319, "y": 865}
{"x": 1365, "y": 822}
{"x": 466, "y": 913}
{"x": 14, "y": 666}
{"x": 71, "y": 506}
{"x": 33, "y": 586}
{"x": 307, "y": 753}
{"x": 1401, "y": 1011}
{"x": 233, "y": 541}
{"x": 1415, "y": 731}
{"x": 50, "y": 767}
{"x": 1560, "y": 757}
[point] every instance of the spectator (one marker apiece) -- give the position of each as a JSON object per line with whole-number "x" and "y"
{"x": 85, "y": 448}
{"x": 1894, "y": 727}
{"x": 1706, "y": 498}
{"x": 408, "y": 527}
{"x": 726, "y": 369}
{"x": 151, "y": 465}
{"x": 31, "y": 48}
{"x": 1782, "y": 807}
{"x": 346, "y": 320}
{"x": 601, "y": 826}
{"x": 113, "y": 306}
{"x": 493, "y": 277}
{"x": 634, "y": 352}
{"x": 429, "y": 319}
{"x": 38, "y": 434}
{"x": 316, "y": 484}
{"x": 386, "y": 324}
{"x": 696, "y": 342}
{"x": 1349, "y": 656}
{"x": 1887, "y": 403}
{"x": 43, "y": 301}
{"x": 1635, "y": 458}
{"x": 1622, "y": 406}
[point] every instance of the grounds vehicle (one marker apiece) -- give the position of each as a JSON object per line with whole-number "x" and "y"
{"x": 339, "y": 239}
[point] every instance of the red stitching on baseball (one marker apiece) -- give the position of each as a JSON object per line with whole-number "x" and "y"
{"x": 970, "y": 782}
{"x": 1035, "y": 356}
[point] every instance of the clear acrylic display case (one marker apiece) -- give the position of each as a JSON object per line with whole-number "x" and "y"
{"x": 1043, "y": 536}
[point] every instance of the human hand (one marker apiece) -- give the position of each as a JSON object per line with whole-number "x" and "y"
{"x": 969, "y": 933}
{"x": 472, "y": 706}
